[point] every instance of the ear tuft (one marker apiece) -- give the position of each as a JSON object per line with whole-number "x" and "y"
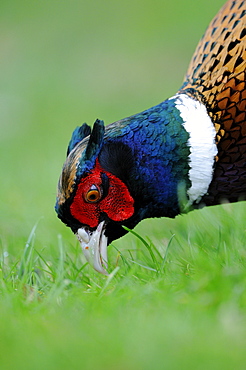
{"x": 95, "y": 140}
{"x": 93, "y": 147}
{"x": 78, "y": 135}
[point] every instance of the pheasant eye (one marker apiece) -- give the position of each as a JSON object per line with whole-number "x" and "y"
{"x": 93, "y": 195}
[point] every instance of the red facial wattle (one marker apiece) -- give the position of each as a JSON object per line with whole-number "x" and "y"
{"x": 117, "y": 204}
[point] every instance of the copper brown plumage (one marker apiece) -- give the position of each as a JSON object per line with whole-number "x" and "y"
{"x": 216, "y": 76}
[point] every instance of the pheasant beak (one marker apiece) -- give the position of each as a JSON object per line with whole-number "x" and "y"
{"x": 94, "y": 246}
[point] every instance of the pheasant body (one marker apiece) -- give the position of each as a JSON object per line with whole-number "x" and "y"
{"x": 187, "y": 151}
{"x": 217, "y": 77}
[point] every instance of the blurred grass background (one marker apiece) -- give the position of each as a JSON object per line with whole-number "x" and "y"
{"x": 68, "y": 62}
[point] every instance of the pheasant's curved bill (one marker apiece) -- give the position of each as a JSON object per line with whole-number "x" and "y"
{"x": 94, "y": 246}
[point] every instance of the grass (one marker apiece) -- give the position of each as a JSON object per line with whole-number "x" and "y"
{"x": 176, "y": 302}
{"x": 175, "y": 297}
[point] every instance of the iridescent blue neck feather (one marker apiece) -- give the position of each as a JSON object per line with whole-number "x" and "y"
{"x": 158, "y": 141}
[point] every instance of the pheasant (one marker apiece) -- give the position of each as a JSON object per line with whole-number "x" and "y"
{"x": 186, "y": 152}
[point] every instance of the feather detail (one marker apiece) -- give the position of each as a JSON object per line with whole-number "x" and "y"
{"x": 202, "y": 145}
{"x": 78, "y": 135}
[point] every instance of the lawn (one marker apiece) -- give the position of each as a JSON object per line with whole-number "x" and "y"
{"x": 176, "y": 294}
